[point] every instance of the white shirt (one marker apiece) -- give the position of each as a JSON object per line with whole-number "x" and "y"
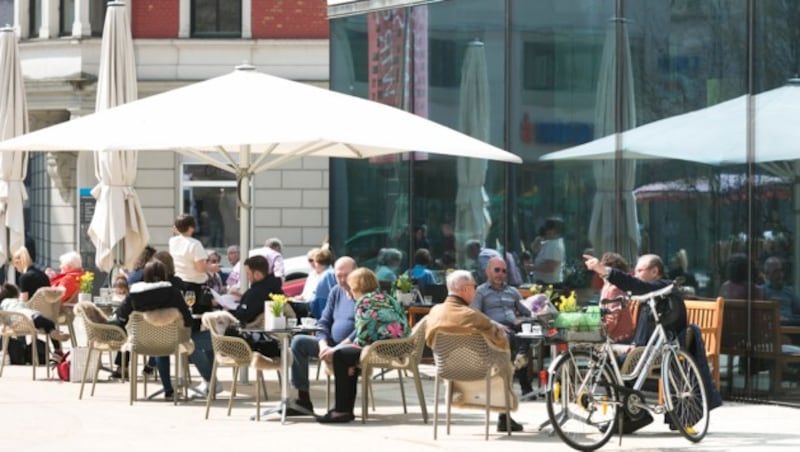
{"x": 310, "y": 288}
{"x": 185, "y": 252}
{"x": 274, "y": 258}
{"x": 552, "y": 250}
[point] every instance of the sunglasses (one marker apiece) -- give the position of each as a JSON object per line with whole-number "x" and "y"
{"x": 499, "y": 270}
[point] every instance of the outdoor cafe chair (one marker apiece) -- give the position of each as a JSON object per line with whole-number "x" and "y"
{"x": 47, "y": 300}
{"x": 100, "y": 337}
{"x": 13, "y": 323}
{"x": 159, "y": 333}
{"x": 235, "y": 352}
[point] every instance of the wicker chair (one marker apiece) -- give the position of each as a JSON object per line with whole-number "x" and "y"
{"x": 147, "y": 336}
{"x": 13, "y": 323}
{"x": 400, "y": 354}
{"x": 47, "y": 300}
{"x": 235, "y": 352}
{"x": 101, "y": 337}
{"x": 470, "y": 358}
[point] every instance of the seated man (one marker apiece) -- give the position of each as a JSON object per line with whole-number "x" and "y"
{"x": 503, "y": 303}
{"x": 337, "y": 327}
{"x": 775, "y": 289}
{"x": 262, "y": 284}
{"x": 456, "y": 316}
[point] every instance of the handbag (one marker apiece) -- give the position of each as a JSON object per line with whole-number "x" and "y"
{"x": 618, "y": 320}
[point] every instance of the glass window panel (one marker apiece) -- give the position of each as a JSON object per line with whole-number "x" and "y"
{"x": 209, "y": 195}
{"x": 66, "y": 17}
{"x": 97, "y": 16}
{"x": 6, "y": 12}
{"x": 35, "y": 17}
{"x": 216, "y": 18}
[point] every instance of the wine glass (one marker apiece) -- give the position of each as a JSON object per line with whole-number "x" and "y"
{"x": 189, "y": 298}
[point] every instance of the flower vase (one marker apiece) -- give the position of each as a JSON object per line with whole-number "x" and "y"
{"x": 274, "y": 323}
{"x": 405, "y": 299}
{"x": 82, "y": 296}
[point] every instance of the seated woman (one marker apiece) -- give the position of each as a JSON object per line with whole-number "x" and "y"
{"x": 31, "y": 278}
{"x": 10, "y": 301}
{"x": 378, "y": 316}
{"x": 71, "y": 270}
{"x": 152, "y": 293}
{"x": 388, "y": 261}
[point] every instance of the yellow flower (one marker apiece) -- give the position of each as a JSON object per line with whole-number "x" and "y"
{"x": 86, "y": 282}
{"x": 278, "y": 302}
{"x": 568, "y": 304}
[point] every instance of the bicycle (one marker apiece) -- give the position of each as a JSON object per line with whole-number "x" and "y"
{"x": 586, "y": 391}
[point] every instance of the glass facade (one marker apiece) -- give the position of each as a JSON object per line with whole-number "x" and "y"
{"x": 646, "y": 126}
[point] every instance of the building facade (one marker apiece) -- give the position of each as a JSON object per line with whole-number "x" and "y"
{"x": 684, "y": 92}
{"x": 176, "y": 42}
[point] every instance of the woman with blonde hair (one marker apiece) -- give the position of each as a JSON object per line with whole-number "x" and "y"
{"x": 30, "y": 278}
{"x": 378, "y": 316}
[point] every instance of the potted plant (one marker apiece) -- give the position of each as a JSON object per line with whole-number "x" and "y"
{"x": 403, "y": 287}
{"x": 274, "y": 318}
{"x": 85, "y": 284}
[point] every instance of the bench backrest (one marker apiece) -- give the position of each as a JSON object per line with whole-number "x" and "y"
{"x": 707, "y": 315}
{"x": 765, "y": 321}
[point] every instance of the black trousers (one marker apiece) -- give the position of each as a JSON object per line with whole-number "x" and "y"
{"x": 346, "y": 384}
{"x": 43, "y": 323}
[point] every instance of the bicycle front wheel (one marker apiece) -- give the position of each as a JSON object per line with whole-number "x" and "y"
{"x": 581, "y": 401}
{"x": 685, "y": 395}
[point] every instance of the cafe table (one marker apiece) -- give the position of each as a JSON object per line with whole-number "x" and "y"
{"x": 284, "y": 335}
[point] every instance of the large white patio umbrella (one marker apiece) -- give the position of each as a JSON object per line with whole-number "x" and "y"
{"x": 13, "y": 165}
{"x": 472, "y": 216}
{"x": 245, "y": 122}
{"x": 118, "y": 213}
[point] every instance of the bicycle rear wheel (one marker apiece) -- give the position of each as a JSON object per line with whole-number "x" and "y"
{"x": 581, "y": 401}
{"x": 685, "y": 395}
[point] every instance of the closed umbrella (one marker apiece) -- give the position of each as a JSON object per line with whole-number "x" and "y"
{"x": 13, "y": 165}
{"x": 118, "y": 213}
{"x": 472, "y": 216}
{"x": 614, "y": 227}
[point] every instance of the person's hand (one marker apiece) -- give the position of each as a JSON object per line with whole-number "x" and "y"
{"x": 325, "y": 352}
{"x": 49, "y": 272}
{"x": 592, "y": 263}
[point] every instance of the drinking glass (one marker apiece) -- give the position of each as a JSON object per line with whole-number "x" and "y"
{"x": 189, "y": 298}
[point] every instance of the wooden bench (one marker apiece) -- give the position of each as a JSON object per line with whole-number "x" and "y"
{"x": 707, "y": 315}
{"x": 765, "y": 340}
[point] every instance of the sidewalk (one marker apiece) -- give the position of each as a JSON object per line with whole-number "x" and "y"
{"x": 47, "y": 416}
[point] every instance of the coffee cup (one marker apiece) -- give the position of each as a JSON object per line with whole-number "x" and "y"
{"x": 291, "y": 323}
{"x": 308, "y": 322}
{"x": 526, "y": 327}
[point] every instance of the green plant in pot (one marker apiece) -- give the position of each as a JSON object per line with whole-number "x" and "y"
{"x": 278, "y": 303}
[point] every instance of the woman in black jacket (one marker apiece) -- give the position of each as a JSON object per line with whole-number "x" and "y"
{"x": 154, "y": 292}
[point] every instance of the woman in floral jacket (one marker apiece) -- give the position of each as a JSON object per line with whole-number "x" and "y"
{"x": 378, "y": 316}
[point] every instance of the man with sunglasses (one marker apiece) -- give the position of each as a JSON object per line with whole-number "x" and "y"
{"x": 503, "y": 304}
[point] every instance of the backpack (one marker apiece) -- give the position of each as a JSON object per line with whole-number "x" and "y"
{"x": 62, "y": 367}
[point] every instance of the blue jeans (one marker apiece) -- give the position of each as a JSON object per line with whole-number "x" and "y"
{"x": 202, "y": 358}
{"x": 303, "y": 347}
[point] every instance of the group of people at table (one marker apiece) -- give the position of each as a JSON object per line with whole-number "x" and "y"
{"x": 355, "y": 313}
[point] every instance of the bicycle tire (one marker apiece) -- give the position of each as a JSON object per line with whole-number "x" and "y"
{"x": 581, "y": 401}
{"x": 685, "y": 395}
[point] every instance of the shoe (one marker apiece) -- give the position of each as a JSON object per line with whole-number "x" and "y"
{"x": 204, "y": 388}
{"x": 302, "y": 403}
{"x": 502, "y": 427}
{"x": 115, "y": 375}
{"x": 59, "y": 336}
{"x": 330, "y": 418}
{"x": 169, "y": 395}
{"x": 148, "y": 371}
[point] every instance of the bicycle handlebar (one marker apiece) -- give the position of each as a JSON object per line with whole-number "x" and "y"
{"x": 666, "y": 290}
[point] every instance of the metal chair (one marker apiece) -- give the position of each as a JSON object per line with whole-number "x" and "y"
{"x": 101, "y": 337}
{"x": 159, "y": 333}
{"x": 235, "y": 352}
{"x": 13, "y": 323}
{"x": 467, "y": 358}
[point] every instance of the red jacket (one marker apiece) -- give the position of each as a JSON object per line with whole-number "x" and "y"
{"x": 69, "y": 281}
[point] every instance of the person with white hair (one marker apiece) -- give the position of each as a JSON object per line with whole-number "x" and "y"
{"x": 71, "y": 268}
{"x": 274, "y": 258}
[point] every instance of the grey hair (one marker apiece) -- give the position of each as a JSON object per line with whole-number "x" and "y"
{"x": 71, "y": 259}
{"x": 473, "y": 244}
{"x": 273, "y": 243}
{"x": 458, "y": 278}
{"x": 387, "y": 255}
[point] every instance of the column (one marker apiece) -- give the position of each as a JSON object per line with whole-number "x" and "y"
{"x": 185, "y": 19}
{"x": 247, "y": 19}
{"x": 80, "y": 25}
{"x": 22, "y": 18}
{"x": 49, "y": 27}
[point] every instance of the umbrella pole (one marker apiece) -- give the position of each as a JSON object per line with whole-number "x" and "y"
{"x": 244, "y": 230}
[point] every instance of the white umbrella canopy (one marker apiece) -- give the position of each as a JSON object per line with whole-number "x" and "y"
{"x": 472, "y": 216}
{"x": 715, "y": 135}
{"x": 247, "y": 112}
{"x": 13, "y": 165}
{"x": 118, "y": 213}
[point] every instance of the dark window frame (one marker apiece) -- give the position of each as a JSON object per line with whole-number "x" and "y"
{"x": 221, "y": 7}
